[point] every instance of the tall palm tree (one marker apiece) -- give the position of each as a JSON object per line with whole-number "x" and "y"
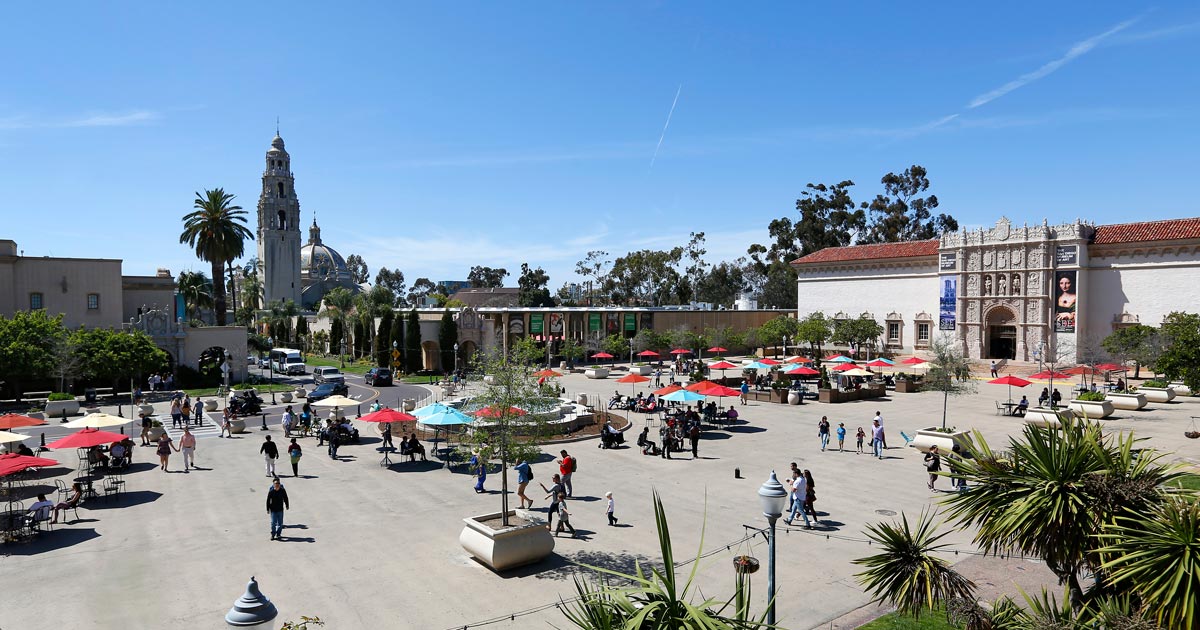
{"x": 197, "y": 292}
{"x": 338, "y": 304}
{"x": 215, "y": 229}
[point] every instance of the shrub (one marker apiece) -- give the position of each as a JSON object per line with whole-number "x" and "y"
{"x": 60, "y": 396}
{"x": 1154, "y": 383}
{"x": 1090, "y": 396}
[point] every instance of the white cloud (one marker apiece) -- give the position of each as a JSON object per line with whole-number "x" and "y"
{"x": 128, "y": 119}
{"x": 1076, "y": 51}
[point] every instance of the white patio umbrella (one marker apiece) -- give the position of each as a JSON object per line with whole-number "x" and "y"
{"x": 97, "y": 421}
{"x": 336, "y": 401}
{"x": 8, "y": 436}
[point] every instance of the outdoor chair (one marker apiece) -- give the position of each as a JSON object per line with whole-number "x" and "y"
{"x": 64, "y": 491}
{"x": 113, "y": 486}
{"x": 41, "y": 518}
{"x": 907, "y": 440}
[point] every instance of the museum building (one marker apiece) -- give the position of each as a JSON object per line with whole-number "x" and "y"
{"x": 1010, "y": 292}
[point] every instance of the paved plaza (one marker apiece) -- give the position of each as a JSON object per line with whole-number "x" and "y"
{"x": 373, "y": 547}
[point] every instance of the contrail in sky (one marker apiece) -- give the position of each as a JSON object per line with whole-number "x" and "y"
{"x": 665, "y": 125}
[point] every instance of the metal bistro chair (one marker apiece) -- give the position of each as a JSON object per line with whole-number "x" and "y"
{"x": 113, "y": 485}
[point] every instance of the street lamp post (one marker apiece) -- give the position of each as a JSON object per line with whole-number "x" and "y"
{"x": 631, "y": 354}
{"x": 772, "y": 496}
{"x": 456, "y": 357}
{"x": 395, "y": 351}
{"x": 271, "y": 366}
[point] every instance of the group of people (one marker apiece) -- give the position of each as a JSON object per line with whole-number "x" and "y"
{"x": 182, "y": 411}
{"x": 878, "y": 438}
{"x": 1053, "y": 398}
{"x": 802, "y": 496}
{"x": 186, "y": 446}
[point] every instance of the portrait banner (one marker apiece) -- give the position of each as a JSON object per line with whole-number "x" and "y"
{"x": 556, "y": 324}
{"x": 630, "y": 321}
{"x": 614, "y": 323}
{"x": 1066, "y": 302}
{"x": 948, "y": 304}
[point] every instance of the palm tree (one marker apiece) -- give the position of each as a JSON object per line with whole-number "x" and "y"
{"x": 215, "y": 229}
{"x": 197, "y": 292}
{"x": 338, "y": 304}
{"x": 280, "y": 319}
{"x": 905, "y": 573}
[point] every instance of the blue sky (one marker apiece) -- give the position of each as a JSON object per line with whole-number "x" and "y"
{"x": 432, "y": 137}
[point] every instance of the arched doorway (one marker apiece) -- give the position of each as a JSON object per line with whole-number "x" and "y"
{"x": 1001, "y": 333}
{"x": 431, "y": 358}
{"x": 466, "y": 352}
{"x": 209, "y": 366}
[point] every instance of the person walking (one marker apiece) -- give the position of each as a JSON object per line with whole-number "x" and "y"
{"x": 744, "y": 390}
{"x": 187, "y": 446}
{"x": 564, "y": 516}
{"x": 612, "y": 519}
{"x": 165, "y": 446}
{"x": 859, "y": 437}
{"x": 823, "y": 432}
{"x": 841, "y": 433}
{"x": 146, "y": 424}
{"x": 176, "y": 413}
{"x": 185, "y": 409}
{"x": 798, "y": 494}
{"x": 199, "y": 411}
{"x": 226, "y": 423}
{"x": 270, "y": 452}
{"x": 810, "y": 496}
{"x": 277, "y": 502}
{"x": 387, "y": 435}
{"x": 294, "y": 453}
{"x": 566, "y": 467}
{"x": 877, "y": 438}
{"x": 993, "y": 369}
{"x": 524, "y": 476}
{"x": 694, "y": 437}
{"x": 479, "y": 466}
{"x": 289, "y": 420}
{"x": 552, "y": 493}
{"x": 933, "y": 463}
{"x": 879, "y": 419}
{"x": 331, "y": 436}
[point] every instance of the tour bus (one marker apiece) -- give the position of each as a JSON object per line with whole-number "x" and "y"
{"x": 287, "y": 361}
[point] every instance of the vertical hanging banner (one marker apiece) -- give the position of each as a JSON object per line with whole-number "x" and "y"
{"x": 594, "y": 322}
{"x": 1065, "y": 303}
{"x": 536, "y": 323}
{"x": 556, "y": 324}
{"x": 630, "y": 321}
{"x": 948, "y": 304}
{"x": 516, "y": 325}
{"x": 614, "y": 323}
{"x": 647, "y": 321}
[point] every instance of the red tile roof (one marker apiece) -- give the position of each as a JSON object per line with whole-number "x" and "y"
{"x": 909, "y": 249}
{"x": 1169, "y": 230}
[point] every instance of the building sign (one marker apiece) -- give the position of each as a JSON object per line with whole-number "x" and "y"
{"x": 949, "y": 261}
{"x": 556, "y": 324}
{"x": 535, "y": 323}
{"x": 948, "y": 304}
{"x": 1066, "y": 255}
{"x": 630, "y": 321}
{"x": 516, "y": 325}
{"x": 1066, "y": 302}
{"x": 614, "y": 323}
{"x": 594, "y": 322}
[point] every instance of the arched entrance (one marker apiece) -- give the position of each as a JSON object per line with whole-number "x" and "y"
{"x": 1001, "y": 327}
{"x": 430, "y": 355}
{"x": 466, "y": 352}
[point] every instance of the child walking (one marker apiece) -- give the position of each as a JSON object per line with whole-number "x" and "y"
{"x": 564, "y": 517}
{"x": 841, "y": 433}
{"x": 612, "y": 520}
{"x": 861, "y": 434}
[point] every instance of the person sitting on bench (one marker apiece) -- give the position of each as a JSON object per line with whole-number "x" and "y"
{"x": 1021, "y": 407}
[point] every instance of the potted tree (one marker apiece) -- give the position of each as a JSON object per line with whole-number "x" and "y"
{"x": 507, "y": 539}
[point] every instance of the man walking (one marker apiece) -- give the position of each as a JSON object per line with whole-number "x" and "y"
{"x": 199, "y": 411}
{"x": 566, "y": 468}
{"x": 877, "y": 438}
{"x": 993, "y": 369}
{"x": 694, "y": 436}
{"x": 270, "y": 452}
{"x": 187, "y": 445}
{"x": 879, "y": 421}
{"x": 277, "y": 502}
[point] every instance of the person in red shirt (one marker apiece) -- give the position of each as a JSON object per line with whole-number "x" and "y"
{"x": 566, "y": 467}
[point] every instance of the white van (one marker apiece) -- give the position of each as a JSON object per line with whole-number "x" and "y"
{"x": 287, "y": 361}
{"x": 324, "y": 374}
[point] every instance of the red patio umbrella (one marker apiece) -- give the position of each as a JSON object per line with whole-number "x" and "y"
{"x": 15, "y": 462}
{"x": 14, "y": 420}
{"x": 913, "y": 361}
{"x": 1010, "y": 380}
{"x": 722, "y": 365}
{"x": 388, "y": 415}
{"x": 717, "y": 349}
{"x": 496, "y": 412}
{"x": 802, "y": 371}
{"x": 546, "y": 373}
{"x": 602, "y": 355}
{"x": 87, "y": 438}
{"x": 633, "y": 378}
{"x": 879, "y": 363}
{"x": 769, "y": 362}
{"x": 667, "y": 390}
{"x": 844, "y": 367}
{"x": 798, "y": 359}
{"x": 648, "y": 353}
{"x": 1084, "y": 370}
{"x": 1050, "y": 375}
{"x": 1112, "y": 367}
{"x": 681, "y": 351}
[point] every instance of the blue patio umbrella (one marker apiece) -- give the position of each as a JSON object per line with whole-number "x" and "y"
{"x": 429, "y": 410}
{"x": 445, "y": 417}
{"x": 682, "y": 395}
{"x": 755, "y": 365}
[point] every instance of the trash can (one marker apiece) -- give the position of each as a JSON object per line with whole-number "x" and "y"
{"x": 89, "y": 395}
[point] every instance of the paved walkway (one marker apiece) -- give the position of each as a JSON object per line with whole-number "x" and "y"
{"x": 372, "y": 547}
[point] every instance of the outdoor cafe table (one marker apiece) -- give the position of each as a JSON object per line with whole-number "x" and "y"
{"x": 1009, "y": 407}
{"x": 85, "y": 482}
{"x": 12, "y": 520}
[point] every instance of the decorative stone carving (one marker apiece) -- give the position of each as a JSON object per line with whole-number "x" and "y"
{"x": 1018, "y": 257}
{"x": 1034, "y": 313}
{"x": 973, "y": 312}
{"x": 894, "y": 315}
{"x": 972, "y": 338}
{"x": 987, "y": 285}
{"x": 972, "y": 285}
{"x": 989, "y": 258}
{"x": 973, "y": 262}
{"x": 1016, "y": 284}
{"x": 1002, "y": 260}
{"x": 1037, "y": 256}
{"x": 1035, "y": 283}
{"x": 1126, "y": 318}
{"x": 923, "y": 317}
{"x": 1002, "y": 285}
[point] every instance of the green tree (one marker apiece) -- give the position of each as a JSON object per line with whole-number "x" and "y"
{"x": 447, "y": 339}
{"x": 948, "y": 371}
{"x": 338, "y": 304}
{"x": 487, "y": 277}
{"x": 303, "y": 334}
{"x": 197, "y": 291}
{"x": 532, "y": 289}
{"x": 279, "y": 320}
{"x": 336, "y": 337}
{"x": 358, "y": 268}
{"x": 774, "y": 330}
{"x": 397, "y": 336}
{"x": 647, "y": 277}
{"x": 392, "y": 280}
{"x": 594, "y": 266}
{"x": 252, "y": 289}
{"x": 420, "y": 289}
{"x": 1138, "y": 343}
{"x": 112, "y": 356}
{"x": 27, "y": 342}
{"x": 901, "y": 214}
{"x": 216, "y": 230}
{"x": 572, "y": 350}
{"x": 724, "y": 283}
{"x": 383, "y": 351}
{"x": 857, "y": 333}
{"x": 815, "y": 329}
{"x": 1180, "y": 358}
{"x": 412, "y": 342}
{"x": 615, "y": 345}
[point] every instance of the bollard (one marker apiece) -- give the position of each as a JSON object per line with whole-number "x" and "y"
{"x": 264, "y": 425}
{"x": 43, "y": 445}
{"x": 737, "y": 473}
{"x": 64, "y": 416}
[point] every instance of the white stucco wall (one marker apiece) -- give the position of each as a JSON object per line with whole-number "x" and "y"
{"x": 1146, "y": 285}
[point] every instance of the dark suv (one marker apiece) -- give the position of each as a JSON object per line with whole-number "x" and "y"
{"x": 378, "y": 376}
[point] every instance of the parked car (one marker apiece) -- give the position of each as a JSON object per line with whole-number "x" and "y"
{"x": 325, "y": 390}
{"x": 328, "y": 375}
{"x": 264, "y": 362}
{"x": 378, "y": 376}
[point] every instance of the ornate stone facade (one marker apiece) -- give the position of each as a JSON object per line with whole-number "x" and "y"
{"x": 279, "y": 228}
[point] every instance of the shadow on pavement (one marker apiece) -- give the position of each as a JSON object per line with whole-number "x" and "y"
{"x": 563, "y": 566}
{"x": 412, "y": 467}
{"x": 60, "y": 538}
{"x": 124, "y": 499}
{"x": 745, "y": 429}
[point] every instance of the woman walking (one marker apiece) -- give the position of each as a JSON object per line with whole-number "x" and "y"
{"x": 823, "y": 431}
{"x": 165, "y": 446}
{"x": 176, "y": 413}
{"x": 810, "y": 496}
{"x": 294, "y": 453}
{"x": 933, "y": 463}
{"x": 524, "y": 476}
{"x": 226, "y": 423}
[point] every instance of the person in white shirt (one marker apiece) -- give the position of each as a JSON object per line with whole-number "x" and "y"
{"x": 879, "y": 419}
{"x": 799, "y": 490}
{"x": 39, "y": 511}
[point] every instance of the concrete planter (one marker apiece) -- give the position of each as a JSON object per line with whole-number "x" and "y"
{"x": 237, "y": 425}
{"x": 1128, "y": 402}
{"x": 285, "y": 396}
{"x": 506, "y": 548}
{"x": 1157, "y": 394}
{"x": 155, "y": 433}
{"x": 410, "y": 404}
{"x": 907, "y": 386}
{"x": 55, "y": 408}
{"x": 300, "y": 393}
{"x": 596, "y": 372}
{"x": 146, "y": 410}
{"x": 793, "y": 397}
{"x": 643, "y": 370}
{"x": 1046, "y": 417}
{"x": 1181, "y": 388}
{"x": 932, "y": 436}
{"x": 1093, "y": 409}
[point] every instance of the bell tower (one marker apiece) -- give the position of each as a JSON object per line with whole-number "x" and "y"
{"x": 279, "y": 227}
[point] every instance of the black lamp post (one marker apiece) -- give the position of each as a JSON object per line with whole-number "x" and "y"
{"x": 271, "y": 366}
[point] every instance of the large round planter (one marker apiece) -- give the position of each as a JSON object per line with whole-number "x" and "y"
{"x": 300, "y": 393}
{"x": 155, "y": 433}
{"x": 146, "y": 410}
{"x": 1181, "y": 388}
{"x": 1127, "y": 402}
{"x": 1046, "y": 417}
{"x": 596, "y": 373}
{"x": 410, "y": 404}
{"x": 1092, "y": 409}
{"x": 932, "y": 436}
{"x": 285, "y": 396}
{"x": 489, "y": 379}
{"x": 643, "y": 370}
{"x": 506, "y": 548}
{"x": 237, "y": 425}
{"x": 793, "y": 397}
{"x": 1157, "y": 394}
{"x": 56, "y": 408}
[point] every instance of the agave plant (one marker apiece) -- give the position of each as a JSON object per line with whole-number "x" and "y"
{"x": 905, "y": 573}
{"x": 655, "y": 599}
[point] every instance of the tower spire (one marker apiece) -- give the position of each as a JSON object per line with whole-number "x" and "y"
{"x": 277, "y": 125}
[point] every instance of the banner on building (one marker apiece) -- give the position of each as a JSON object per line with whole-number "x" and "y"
{"x": 536, "y": 323}
{"x": 614, "y": 323}
{"x": 948, "y": 304}
{"x": 630, "y": 321}
{"x": 1065, "y": 303}
{"x": 556, "y": 324}
{"x": 647, "y": 321}
{"x": 949, "y": 261}
{"x": 516, "y": 325}
{"x": 1066, "y": 255}
{"x": 594, "y": 322}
